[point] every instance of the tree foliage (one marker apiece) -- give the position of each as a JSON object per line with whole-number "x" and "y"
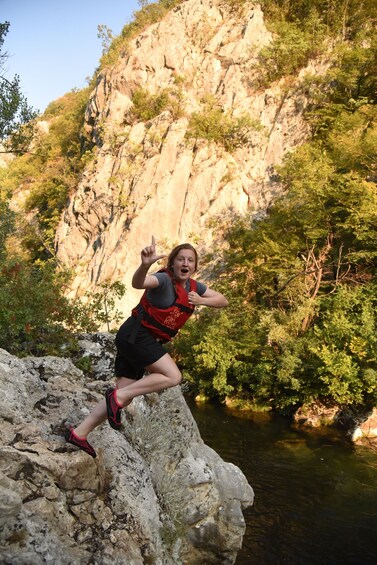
{"x": 302, "y": 279}
{"x": 214, "y": 124}
{"x": 342, "y": 18}
{"x": 302, "y": 324}
{"x": 16, "y": 116}
{"x": 36, "y": 317}
{"x": 48, "y": 173}
{"x": 304, "y": 29}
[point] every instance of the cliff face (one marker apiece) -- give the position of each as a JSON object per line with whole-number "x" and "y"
{"x": 147, "y": 177}
{"x": 154, "y": 494}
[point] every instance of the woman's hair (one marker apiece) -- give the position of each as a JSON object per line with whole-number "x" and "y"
{"x": 173, "y": 254}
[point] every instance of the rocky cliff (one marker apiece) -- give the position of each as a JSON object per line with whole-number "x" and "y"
{"x": 155, "y": 494}
{"x": 149, "y": 176}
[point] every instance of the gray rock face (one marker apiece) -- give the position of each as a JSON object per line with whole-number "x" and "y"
{"x": 99, "y": 350}
{"x": 148, "y": 177}
{"x": 155, "y": 494}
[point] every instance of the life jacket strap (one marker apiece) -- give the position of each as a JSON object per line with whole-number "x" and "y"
{"x": 143, "y": 315}
{"x": 159, "y": 326}
{"x": 184, "y": 308}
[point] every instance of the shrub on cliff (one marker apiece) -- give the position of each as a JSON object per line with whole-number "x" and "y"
{"x": 32, "y": 310}
{"x": 214, "y": 124}
{"x": 147, "y": 106}
{"x": 304, "y": 29}
{"x": 36, "y": 318}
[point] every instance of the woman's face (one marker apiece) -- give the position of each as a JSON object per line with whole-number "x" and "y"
{"x": 184, "y": 265}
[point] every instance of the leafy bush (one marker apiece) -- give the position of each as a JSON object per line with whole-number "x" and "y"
{"x": 290, "y": 50}
{"x": 32, "y": 310}
{"x": 215, "y": 124}
{"x": 6, "y": 227}
{"x": 36, "y": 318}
{"x": 346, "y": 345}
{"x": 102, "y": 303}
{"x": 147, "y": 106}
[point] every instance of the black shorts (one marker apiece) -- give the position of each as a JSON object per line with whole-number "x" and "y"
{"x": 132, "y": 358}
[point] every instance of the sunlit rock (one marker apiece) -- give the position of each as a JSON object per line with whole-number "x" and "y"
{"x": 147, "y": 176}
{"x": 155, "y": 493}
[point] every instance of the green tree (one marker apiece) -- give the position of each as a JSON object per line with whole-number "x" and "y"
{"x": 302, "y": 279}
{"x": 49, "y": 173}
{"x": 291, "y": 49}
{"x": 304, "y": 29}
{"x": 102, "y": 304}
{"x": 105, "y": 34}
{"x": 33, "y": 310}
{"x": 16, "y": 116}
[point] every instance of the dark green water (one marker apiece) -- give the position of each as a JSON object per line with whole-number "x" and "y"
{"x": 315, "y": 493}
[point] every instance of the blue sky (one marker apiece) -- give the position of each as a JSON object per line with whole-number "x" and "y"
{"x": 53, "y": 44}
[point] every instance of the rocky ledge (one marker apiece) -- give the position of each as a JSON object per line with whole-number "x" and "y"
{"x": 154, "y": 494}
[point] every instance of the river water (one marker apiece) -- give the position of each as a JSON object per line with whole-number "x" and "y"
{"x": 315, "y": 493}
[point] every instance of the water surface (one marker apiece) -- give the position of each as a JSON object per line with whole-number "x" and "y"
{"x": 315, "y": 493}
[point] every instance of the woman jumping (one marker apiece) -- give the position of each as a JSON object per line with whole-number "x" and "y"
{"x": 169, "y": 299}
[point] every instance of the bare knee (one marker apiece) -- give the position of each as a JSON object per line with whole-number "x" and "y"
{"x": 175, "y": 377}
{"x": 168, "y": 369}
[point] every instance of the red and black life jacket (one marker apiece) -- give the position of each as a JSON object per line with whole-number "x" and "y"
{"x": 164, "y": 323}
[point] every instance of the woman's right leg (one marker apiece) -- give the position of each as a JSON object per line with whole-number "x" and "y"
{"x": 163, "y": 374}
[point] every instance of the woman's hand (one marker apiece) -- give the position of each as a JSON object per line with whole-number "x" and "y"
{"x": 209, "y": 298}
{"x": 194, "y": 298}
{"x": 141, "y": 279}
{"x": 149, "y": 255}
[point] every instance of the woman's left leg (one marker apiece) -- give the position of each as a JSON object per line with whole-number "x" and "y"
{"x": 99, "y": 413}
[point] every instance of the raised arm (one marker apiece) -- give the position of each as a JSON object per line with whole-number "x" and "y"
{"x": 141, "y": 279}
{"x": 209, "y": 298}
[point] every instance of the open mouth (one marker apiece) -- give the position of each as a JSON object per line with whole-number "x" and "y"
{"x": 184, "y": 270}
